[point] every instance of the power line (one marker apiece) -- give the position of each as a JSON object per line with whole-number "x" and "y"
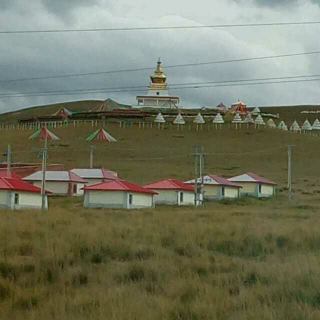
{"x": 172, "y": 86}
{"x": 167, "y": 67}
{"x": 280, "y": 24}
{"x": 178, "y": 88}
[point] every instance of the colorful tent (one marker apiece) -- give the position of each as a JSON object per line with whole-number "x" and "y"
{"x": 63, "y": 112}
{"x": 199, "y": 119}
{"x": 306, "y": 126}
{"x": 316, "y": 125}
{"x": 101, "y": 134}
{"x": 248, "y": 118}
{"x": 43, "y": 134}
{"x": 238, "y": 107}
{"x": 221, "y": 107}
{"x": 237, "y": 119}
{"x": 259, "y": 120}
{"x": 218, "y": 119}
{"x": 179, "y": 120}
{"x": 159, "y": 118}
{"x": 271, "y": 124}
{"x": 109, "y": 105}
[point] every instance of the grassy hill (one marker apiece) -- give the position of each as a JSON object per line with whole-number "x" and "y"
{"x": 247, "y": 260}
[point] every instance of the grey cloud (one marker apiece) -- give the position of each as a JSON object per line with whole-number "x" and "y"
{"x": 283, "y": 3}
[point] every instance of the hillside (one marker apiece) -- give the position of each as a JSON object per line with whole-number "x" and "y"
{"x": 246, "y": 260}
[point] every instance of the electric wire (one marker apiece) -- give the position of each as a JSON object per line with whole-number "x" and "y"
{"x": 154, "y": 28}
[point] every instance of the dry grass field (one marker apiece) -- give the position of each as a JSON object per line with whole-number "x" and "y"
{"x": 251, "y": 259}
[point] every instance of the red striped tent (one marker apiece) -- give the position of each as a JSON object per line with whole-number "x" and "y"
{"x": 43, "y": 134}
{"x": 238, "y": 107}
{"x": 101, "y": 134}
{"x": 63, "y": 112}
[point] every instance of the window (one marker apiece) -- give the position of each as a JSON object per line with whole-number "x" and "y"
{"x": 222, "y": 191}
{"x": 260, "y": 188}
{"x": 16, "y": 198}
{"x": 75, "y": 189}
{"x": 158, "y": 93}
{"x": 181, "y": 197}
{"x": 130, "y": 199}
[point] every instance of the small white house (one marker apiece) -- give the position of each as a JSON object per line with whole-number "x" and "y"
{"x": 57, "y": 182}
{"x": 172, "y": 192}
{"x": 93, "y": 176}
{"x": 118, "y": 194}
{"x": 218, "y": 188}
{"x": 254, "y": 185}
{"x": 16, "y": 194}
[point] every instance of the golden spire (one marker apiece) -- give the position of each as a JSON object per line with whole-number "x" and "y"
{"x": 158, "y": 76}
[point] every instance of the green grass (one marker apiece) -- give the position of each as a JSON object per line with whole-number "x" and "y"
{"x": 167, "y": 263}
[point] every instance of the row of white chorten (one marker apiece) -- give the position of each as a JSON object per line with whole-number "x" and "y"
{"x": 218, "y": 119}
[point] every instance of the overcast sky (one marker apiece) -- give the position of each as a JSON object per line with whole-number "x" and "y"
{"x": 37, "y": 55}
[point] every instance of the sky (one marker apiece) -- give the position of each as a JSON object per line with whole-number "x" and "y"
{"x": 55, "y": 54}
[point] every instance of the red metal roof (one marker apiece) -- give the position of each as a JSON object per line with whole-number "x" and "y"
{"x": 4, "y": 172}
{"x": 260, "y": 179}
{"x": 118, "y": 185}
{"x": 169, "y": 184}
{"x": 18, "y": 185}
{"x": 223, "y": 181}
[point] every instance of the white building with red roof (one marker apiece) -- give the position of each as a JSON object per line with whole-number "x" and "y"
{"x": 119, "y": 194}
{"x": 16, "y": 194}
{"x": 62, "y": 183}
{"x": 172, "y": 192}
{"x": 93, "y": 176}
{"x": 254, "y": 185}
{"x": 218, "y": 188}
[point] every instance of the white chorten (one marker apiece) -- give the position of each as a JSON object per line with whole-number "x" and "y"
{"x": 179, "y": 120}
{"x": 158, "y": 92}
{"x": 199, "y": 119}
{"x": 306, "y": 126}
{"x": 248, "y": 118}
{"x": 271, "y": 124}
{"x": 218, "y": 119}
{"x": 281, "y": 124}
{"x": 316, "y": 125}
{"x": 295, "y": 126}
{"x": 159, "y": 118}
{"x": 259, "y": 120}
{"x": 237, "y": 118}
{"x": 256, "y": 110}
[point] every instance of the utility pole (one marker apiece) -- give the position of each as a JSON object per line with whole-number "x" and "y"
{"x": 289, "y": 172}
{"x": 199, "y": 153}
{"x": 9, "y": 161}
{"x": 44, "y": 167}
{"x": 91, "y": 156}
{"x": 196, "y": 176}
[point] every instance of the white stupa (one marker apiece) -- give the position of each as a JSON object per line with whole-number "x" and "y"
{"x": 199, "y": 119}
{"x": 316, "y": 125}
{"x": 284, "y": 127}
{"x": 295, "y": 126}
{"x": 159, "y": 118}
{"x": 248, "y": 118}
{"x": 271, "y": 124}
{"x": 306, "y": 126}
{"x": 256, "y": 110}
{"x": 218, "y": 119}
{"x": 259, "y": 120}
{"x": 179, "y": 120}
{"x": 281, "y": 125}
{"x": 237, "y": 119}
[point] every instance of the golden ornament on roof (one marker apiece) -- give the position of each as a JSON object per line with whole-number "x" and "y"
{"x": 158, "y": 76}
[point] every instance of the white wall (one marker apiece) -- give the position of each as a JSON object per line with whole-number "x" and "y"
{"x": 142, "y": 200}
{"x": 267, "y": 190}
{"x": 211, "y": 190}
{"x": 3, "y": 197}
{"x": 166, "y": 197}
{"x": 188, "y": 198}
{"x": 54, "y": 187}
{"x": 248, "y": 187}
{"x": 105, "y": 197}
{"x": 30, "y": 199}
{"x": 230, "y": 192}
